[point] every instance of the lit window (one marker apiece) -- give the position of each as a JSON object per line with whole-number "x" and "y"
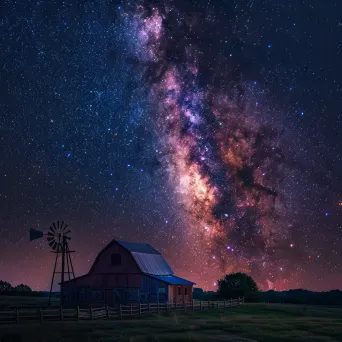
{"x": 116, "y": 259}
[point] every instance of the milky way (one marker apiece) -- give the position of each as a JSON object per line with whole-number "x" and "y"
{"x": 225, "y": 165}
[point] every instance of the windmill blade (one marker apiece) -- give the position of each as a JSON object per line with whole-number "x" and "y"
{"x": 50, "y": 238}
{"x": 54, "y": 245}
{"x": 52, "y": 229}
{"x": 58, "y": 224}
{"x": 51, "y": 243}
{"x": 68, "y": 237}
{"x": 50, "y": 234}
{"x": 54, "y": 224}
{"x": 65, "y": 233}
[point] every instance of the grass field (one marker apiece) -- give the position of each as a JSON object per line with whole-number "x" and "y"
{"x": 248, "y": 322}
{"x": 21, "y": 301}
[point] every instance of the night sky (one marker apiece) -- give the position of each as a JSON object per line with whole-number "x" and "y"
{"x": 209, "y": 129}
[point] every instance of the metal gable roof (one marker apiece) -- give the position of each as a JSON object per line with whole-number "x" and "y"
{"x": 152, "y": 263}
{"x": 148, "y": 259}
{"x": 173, "y": 280}
{"x": 137, "y": 247}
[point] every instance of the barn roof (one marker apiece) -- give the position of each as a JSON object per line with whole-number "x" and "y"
{"x": 173, "y": 280}
{"x": 137, "y": 247}
{"x": 148, "y": 259}
{"x": 152, "y": 263}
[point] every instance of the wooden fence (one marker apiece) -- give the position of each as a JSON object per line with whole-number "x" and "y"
{"x": 25, "y": 315}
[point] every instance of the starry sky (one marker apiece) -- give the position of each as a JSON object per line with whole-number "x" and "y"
{"x": 209, "y": 129}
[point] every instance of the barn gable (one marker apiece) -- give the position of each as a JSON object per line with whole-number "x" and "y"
{"x": 138, "y": 257}
{"x": 105, "y": 261}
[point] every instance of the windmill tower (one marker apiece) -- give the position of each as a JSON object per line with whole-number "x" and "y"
{"x": 58, "y": 239}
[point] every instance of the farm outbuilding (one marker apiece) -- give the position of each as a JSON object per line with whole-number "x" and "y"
{"x": 127, "y": 272}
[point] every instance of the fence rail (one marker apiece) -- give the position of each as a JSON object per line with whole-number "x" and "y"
{"x": 16, "y": 316}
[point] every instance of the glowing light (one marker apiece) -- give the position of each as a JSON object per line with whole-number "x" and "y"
{"x": 291, "y": 245}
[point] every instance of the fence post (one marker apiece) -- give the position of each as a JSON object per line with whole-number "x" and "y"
{"x": 184, "y": 306}
{"x": 120, "y": 311}
{"x": 41, "y": 315}
{"x": 107, "y": 311}
{"x": 61, "y": 313}
{"x": 139, "y": 309}
{"x": 91, "y": 312}
{"x": 208, "y": 304}
{"x": 17, "y": 315}
{"x": 158, "y": 306}
{"x": 78, "y": 313}
{"x": 149, "y": 307}
{"x": 217, "y": 304}
{"x": 131, "y": 309}
{"x": 200, "y": 304}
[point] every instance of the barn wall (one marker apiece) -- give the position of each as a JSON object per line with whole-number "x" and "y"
{"x": 153, "y": 290}
{"x": 103, "y": 263}
{"x": 182, "y": 297}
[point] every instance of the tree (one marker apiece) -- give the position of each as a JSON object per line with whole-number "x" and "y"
{"x": 22, "y": 288}
{"x": 236, "y": 285}
{"x": 5, "y": 286}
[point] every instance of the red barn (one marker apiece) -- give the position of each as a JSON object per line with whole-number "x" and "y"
{"x": 125, "y": 272}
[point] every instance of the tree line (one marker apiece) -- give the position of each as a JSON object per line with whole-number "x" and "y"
{"x": 240, "y": 284}
{"x": 20, "y": 290}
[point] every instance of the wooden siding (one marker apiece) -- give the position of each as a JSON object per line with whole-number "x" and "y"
{"x": 176, "y": 297}
{"x": 103, "y": 264}
{"x": 150, "y": 288}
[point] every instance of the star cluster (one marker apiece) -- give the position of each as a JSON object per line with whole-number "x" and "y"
{"x": 208, "y": 129}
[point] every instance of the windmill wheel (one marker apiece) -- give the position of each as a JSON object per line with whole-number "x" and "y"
{"x": 56, "y": 234}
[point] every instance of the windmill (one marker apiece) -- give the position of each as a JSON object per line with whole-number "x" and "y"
{"x": 57, "y": 238}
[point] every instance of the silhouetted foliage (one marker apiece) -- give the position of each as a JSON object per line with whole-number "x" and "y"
{"x": 7, "y": 289}
{"x": 199, "y": 294}
{"x": 298, "y": 296}
{"x": 22, "y": 288}
{"x": 5, "y": 286}
{"x": 236, "y": 285}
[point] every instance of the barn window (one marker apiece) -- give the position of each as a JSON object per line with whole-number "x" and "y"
{"x": 116, "y": 259}
{"x": 179, "y": 290}
{"x": 185, "y": 291}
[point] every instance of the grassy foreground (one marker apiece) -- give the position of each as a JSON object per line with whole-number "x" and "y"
{"x": 22, "y": 301}
{"x": 249, "y": 322}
